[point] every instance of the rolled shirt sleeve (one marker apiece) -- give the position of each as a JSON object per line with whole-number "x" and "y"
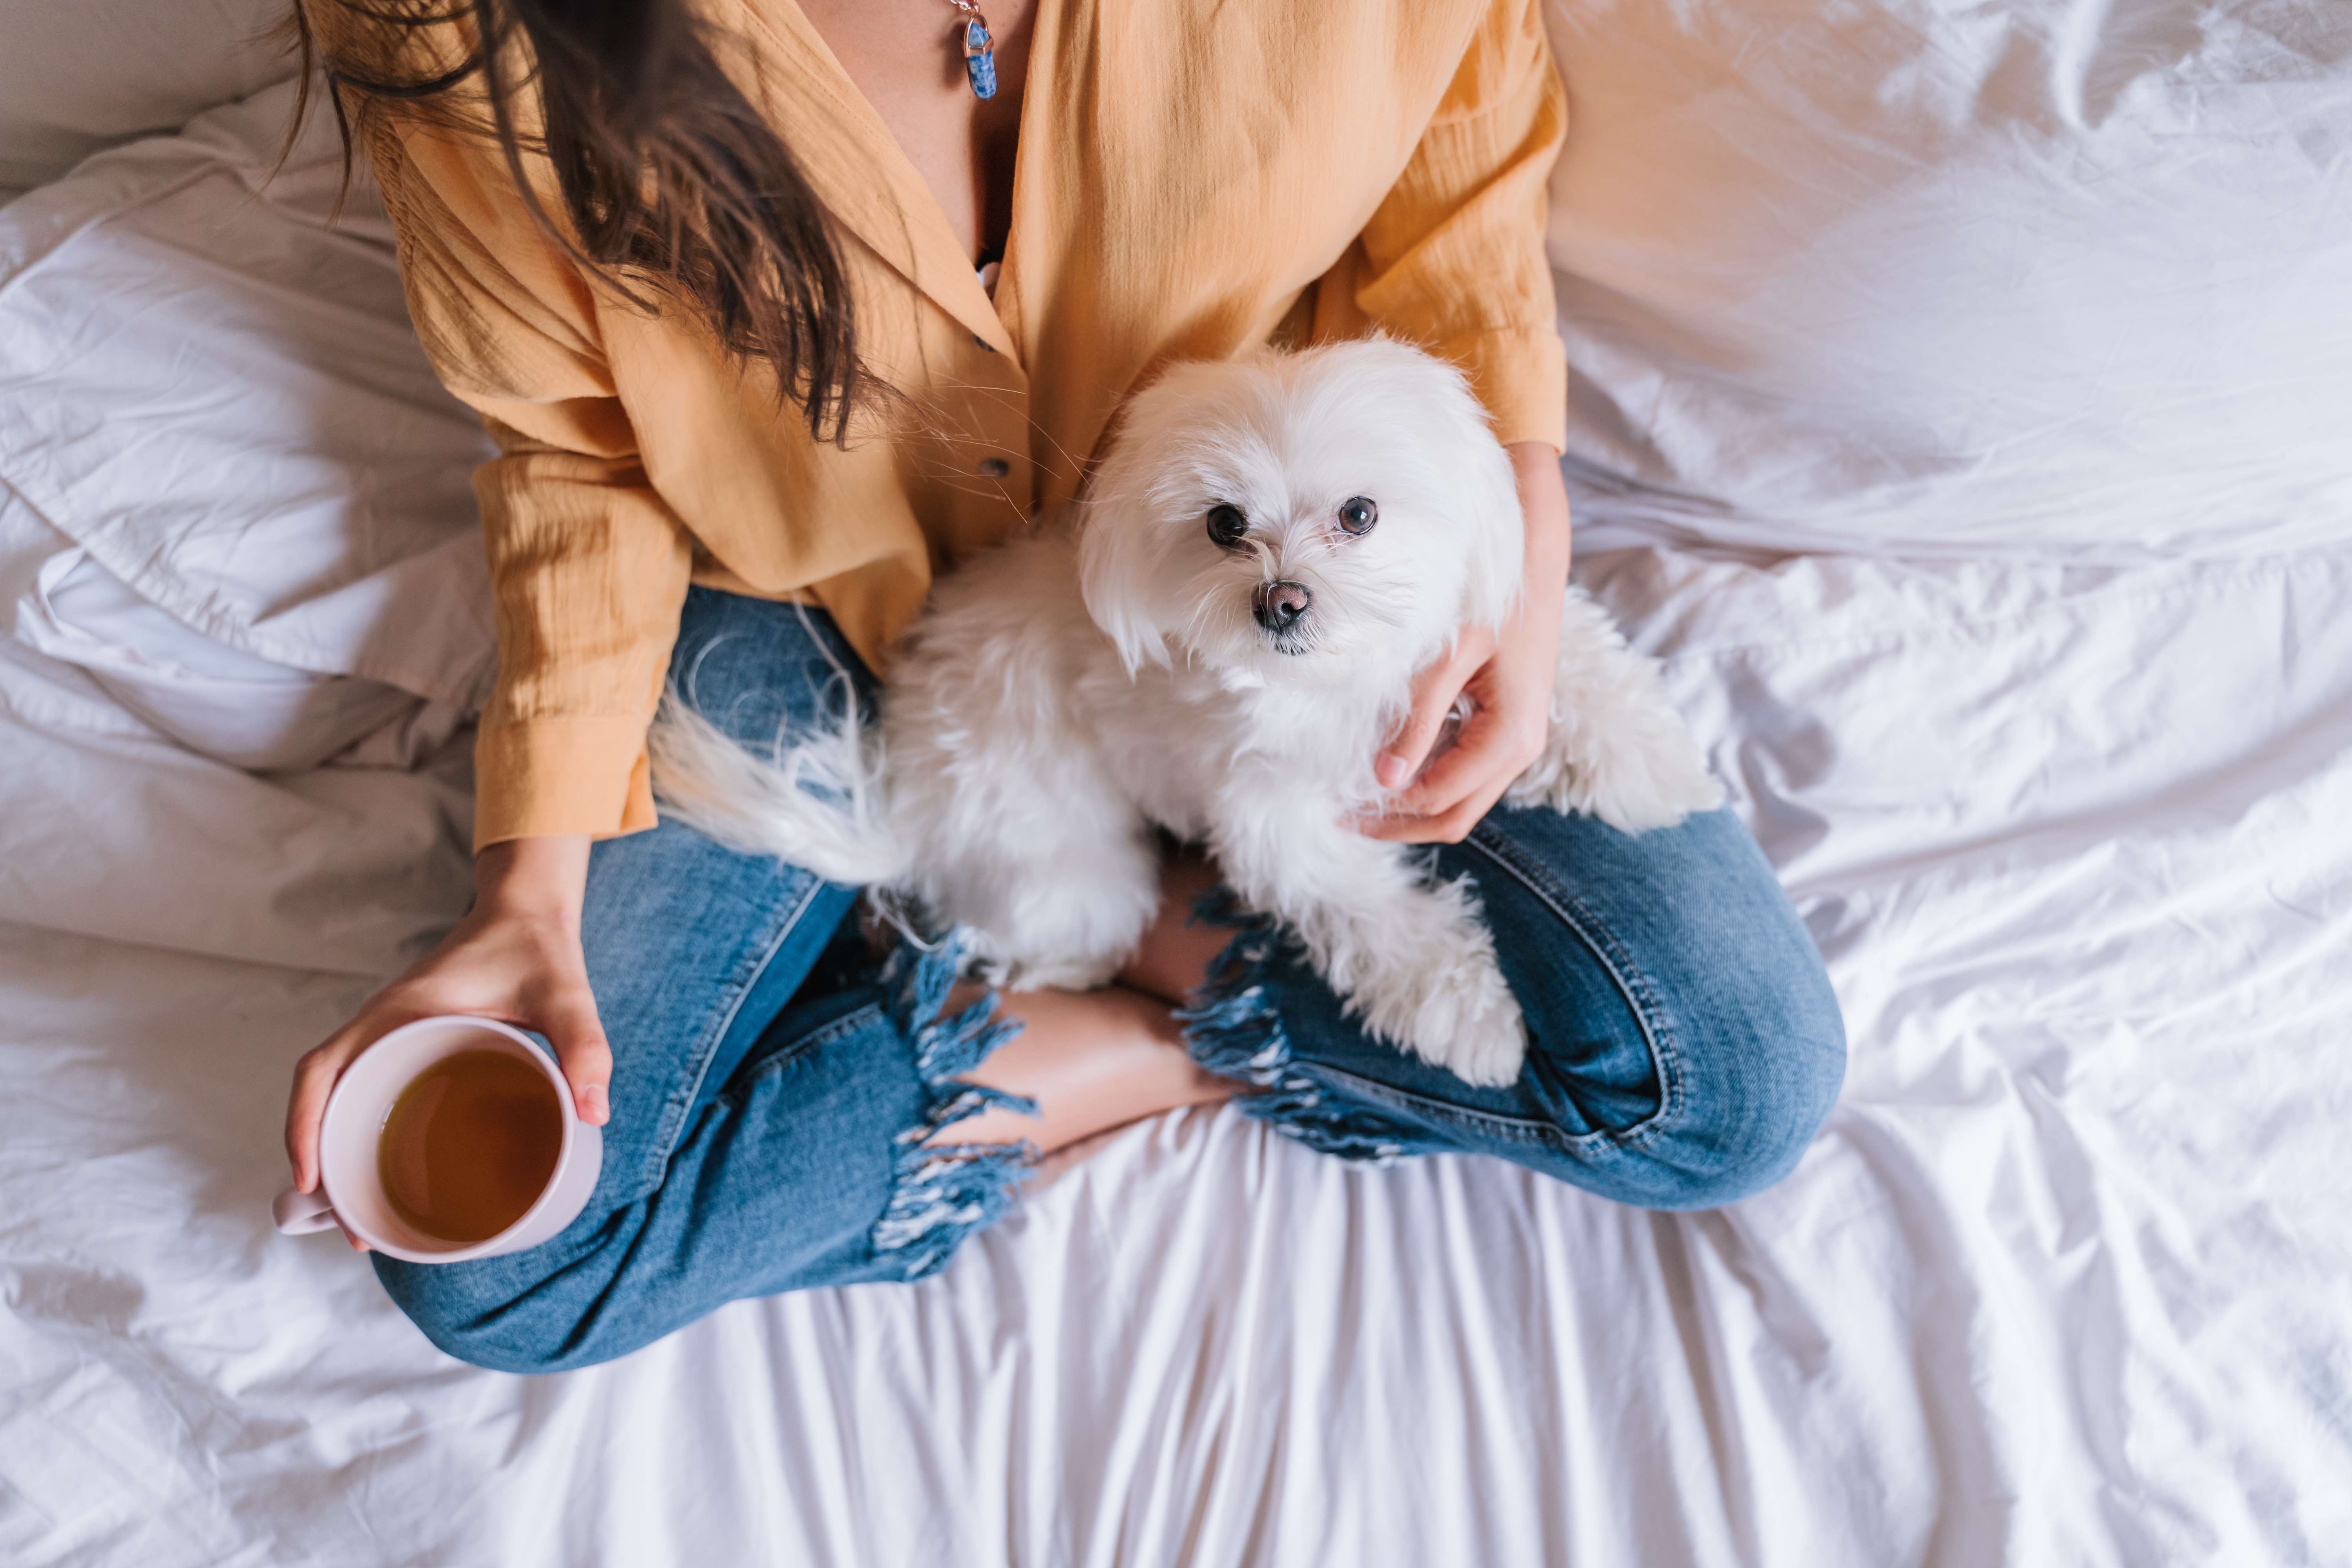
{"x": 589, "y": 567}
{"x": 1453, "y": 258}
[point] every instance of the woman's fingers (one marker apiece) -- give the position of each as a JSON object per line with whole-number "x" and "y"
{"x": 1411, "y": 744}
{"x": 1449, "y": 823}
{"x": 1454, "y": 777}
{"x": 314, "y": 1081}
{"x": 572, "y": 1027}
{"x": 1460, "y": 786}
{"x": 1434, "y": 691}
{"x": 1450, "y": 826}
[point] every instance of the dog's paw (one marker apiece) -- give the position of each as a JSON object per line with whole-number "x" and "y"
{"x": 1452, "y": 1009}
{"x": 1059, "y": 973}
{"x": 1617, "y": 750}
{"x": 1001, "y": 966}
{"x": 1632, "y": 765}
{"x": 1488, "y": 1047}
{"x": 1653, "y": 776}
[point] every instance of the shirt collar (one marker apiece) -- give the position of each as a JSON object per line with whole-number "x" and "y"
{"x": 856, "y": 167}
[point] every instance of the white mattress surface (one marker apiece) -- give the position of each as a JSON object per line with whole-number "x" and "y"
{"x": 2068, "y": 1277}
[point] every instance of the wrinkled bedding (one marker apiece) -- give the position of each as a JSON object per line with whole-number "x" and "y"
{"x": 2067, "y": 1279}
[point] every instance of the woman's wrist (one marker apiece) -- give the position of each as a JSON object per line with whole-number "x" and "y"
{"x": 544, "y": 877}
{"x": 1543, "y": 500}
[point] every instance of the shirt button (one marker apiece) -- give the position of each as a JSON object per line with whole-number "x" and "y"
{"x": 995, "y": 467}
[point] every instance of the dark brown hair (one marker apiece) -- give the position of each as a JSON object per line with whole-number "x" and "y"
{"x": 668, "y": 176}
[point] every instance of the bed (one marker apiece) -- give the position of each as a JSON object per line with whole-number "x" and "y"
{"x": 2019, "y": 625}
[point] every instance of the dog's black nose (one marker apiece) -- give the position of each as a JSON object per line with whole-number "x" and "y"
{"x": 1279, "y": 605}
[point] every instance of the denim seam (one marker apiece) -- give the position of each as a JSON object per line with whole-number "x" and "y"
{"x": 690, "y": 1085}
{"x": 849, "y": 1023}
{"x": 1657, "y": 1032}
{"x": 1486, "y": 1123}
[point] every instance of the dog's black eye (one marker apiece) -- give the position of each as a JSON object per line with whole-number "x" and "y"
{"x": 1357, "y": 513}
{"x": 1227, "y": 526}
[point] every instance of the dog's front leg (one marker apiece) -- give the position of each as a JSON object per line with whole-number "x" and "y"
{"x": 1411, "y": 959}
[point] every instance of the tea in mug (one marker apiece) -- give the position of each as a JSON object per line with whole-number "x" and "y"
{"x": 470, "y": 1145}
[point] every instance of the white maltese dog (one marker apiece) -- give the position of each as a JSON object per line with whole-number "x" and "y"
{"x": 1272, "y": 549}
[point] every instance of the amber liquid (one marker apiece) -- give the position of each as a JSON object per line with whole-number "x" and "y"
{"x": 470, "y": 1145}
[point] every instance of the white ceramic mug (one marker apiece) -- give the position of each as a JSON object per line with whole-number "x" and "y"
{"x": 351, "y": 1194}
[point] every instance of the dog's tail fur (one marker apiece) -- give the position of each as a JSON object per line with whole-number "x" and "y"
{"x": 819, "y": 804}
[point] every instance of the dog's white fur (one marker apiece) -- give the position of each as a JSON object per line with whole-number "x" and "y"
{"x": 1066, "y": 693}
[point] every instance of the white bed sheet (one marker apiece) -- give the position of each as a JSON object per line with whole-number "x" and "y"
{"x": 2067, "y": 1279}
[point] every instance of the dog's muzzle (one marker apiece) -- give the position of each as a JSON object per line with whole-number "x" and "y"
{"x": 1278, "y": 605}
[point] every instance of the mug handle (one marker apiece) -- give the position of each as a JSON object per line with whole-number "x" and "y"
{"x": 300, "y": 1213}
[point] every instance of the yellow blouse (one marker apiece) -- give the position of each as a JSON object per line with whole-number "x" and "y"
{"x": 1191, "y": 179}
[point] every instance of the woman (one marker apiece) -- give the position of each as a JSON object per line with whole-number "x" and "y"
{"x": 771, "y": 310}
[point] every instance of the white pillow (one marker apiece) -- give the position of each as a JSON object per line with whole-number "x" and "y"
{"x": 1935, "y": 276}
{"x": 79, "y": 75}
{"x": 221, "y": 401}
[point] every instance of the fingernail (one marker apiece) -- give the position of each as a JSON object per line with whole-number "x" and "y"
{"x": 1389, "y": 770}
{"x": 598, "y": 1114}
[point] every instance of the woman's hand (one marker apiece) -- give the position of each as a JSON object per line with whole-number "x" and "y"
{"x": 515, "y": 957}
{"x": 1508, "y": 675}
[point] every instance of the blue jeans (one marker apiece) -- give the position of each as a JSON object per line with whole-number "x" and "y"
{"x": 776, "y": 1089}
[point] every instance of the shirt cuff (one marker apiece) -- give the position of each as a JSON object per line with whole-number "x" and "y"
{"x": 1520, "y": 373}
{"x": 539, "y": 776}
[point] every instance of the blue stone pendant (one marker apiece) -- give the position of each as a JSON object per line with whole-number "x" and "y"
{"x": 979, "y": 58}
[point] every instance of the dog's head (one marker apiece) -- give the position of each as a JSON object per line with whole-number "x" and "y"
{"x": 1330, "y": 510}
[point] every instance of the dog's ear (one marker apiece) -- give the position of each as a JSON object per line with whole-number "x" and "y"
{"x": 1125, "y": 552}
{"x": 1496, "y": 547}
{"x": 1120, "y": 560}
{"x": 1457, "y": 440}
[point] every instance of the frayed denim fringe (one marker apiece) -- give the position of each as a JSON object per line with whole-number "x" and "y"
{"x": 1236, "y": 1032}
{"x": 941, "y": 1193}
